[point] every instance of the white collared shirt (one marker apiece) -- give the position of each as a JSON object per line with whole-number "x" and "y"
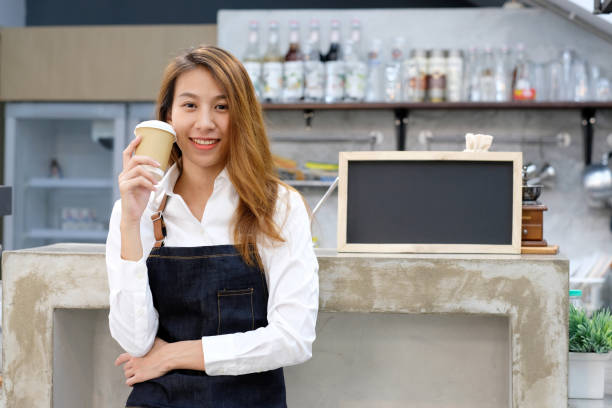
{"x": 291, "y": 271}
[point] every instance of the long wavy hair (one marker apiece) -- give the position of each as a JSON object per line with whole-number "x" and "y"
{"x": 249, "y": 160}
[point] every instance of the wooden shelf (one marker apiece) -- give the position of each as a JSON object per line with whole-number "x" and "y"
{"x": 440, "y": 105}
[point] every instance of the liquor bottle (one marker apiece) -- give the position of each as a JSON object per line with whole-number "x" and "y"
{"x": 355, "y": 67}
{"x": 522, "y": 83}
{"x": 454, "y": 76}
{"x": 472, "y": 77}
{"x": 293, "y": 68}
{"x": 393, "y": 77}
{"x": 487, "y": 77}
{"x": 252, "y": 57}
{"x": 314, "y": 67}
{"x": 374, "y": 82}
{"x": 501, "y": 76}
{"x": 437, "y": 74}
{"x": 272, "y": 66}
{"x": 334, "y": 66}
{"x": 414, "y": 74}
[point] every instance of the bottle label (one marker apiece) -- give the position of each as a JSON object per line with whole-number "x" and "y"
{"x": 254, "y": 70}
{"x": 356, "y": 77}
{"x": 272, "y": 80}
{"x": 334, "y": 81}
{"x": 294, "y": 80}
{"x": 314, "y": 80}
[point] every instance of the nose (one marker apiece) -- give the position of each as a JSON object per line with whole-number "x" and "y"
{"x": 205, "y": 120}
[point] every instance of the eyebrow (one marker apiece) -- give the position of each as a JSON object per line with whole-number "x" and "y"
{"x": 194, "y": 96}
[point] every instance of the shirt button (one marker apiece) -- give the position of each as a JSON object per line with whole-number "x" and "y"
{"x": 140, "y": 275}
{"x": 139, "y": 312}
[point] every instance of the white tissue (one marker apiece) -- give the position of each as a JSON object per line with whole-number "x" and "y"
{"x": 477, "y": 143}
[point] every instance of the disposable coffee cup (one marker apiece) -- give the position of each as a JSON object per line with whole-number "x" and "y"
{"x": 156, "y": 143}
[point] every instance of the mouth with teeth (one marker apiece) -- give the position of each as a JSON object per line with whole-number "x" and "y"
{"x": 204, "y": 143}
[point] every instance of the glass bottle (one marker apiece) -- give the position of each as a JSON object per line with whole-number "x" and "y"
{"x": 334, "y": 66}
{"x": 293, "y": 68}
{"x": 487, "y": 77}
{"x": 393, "y": 78}
{"x": 374, "y": 81}
{"x": 522, "y": 83}
{"x": 437, "y": 76}
{"x": 454, "y": 76}
{"x": 472, "y": 82}
{"x": 272, "y": 66}
{"x": 501, "y": 76}
{"x": 314, "y": 68}
{"x": 414, "y": 73}
{"x": 356, "y": 70}
{"x": 252, "y": 57}
{"x": 581, "y": 80}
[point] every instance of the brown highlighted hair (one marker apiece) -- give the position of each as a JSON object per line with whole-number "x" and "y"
{"x": 249, "y": 160}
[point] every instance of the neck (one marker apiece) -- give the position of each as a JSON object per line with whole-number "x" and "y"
{"x": 197, "y": 180}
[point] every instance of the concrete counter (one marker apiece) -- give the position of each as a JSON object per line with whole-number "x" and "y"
{"x": 394, "y": 330}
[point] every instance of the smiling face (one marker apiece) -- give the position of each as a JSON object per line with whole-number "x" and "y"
{"x": 200, "y": 116}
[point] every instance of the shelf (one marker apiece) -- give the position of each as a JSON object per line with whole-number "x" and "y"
{"x": 440, "y": 105}
{"x": 308, "y": 183}
{"x": 402, "y": 110}
{"x": 67, "y": 234}
{"x": 41, "y": 182}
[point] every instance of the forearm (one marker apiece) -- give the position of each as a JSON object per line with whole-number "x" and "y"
{"x": 131, "y": 244}
{"x": 187, "y": 355}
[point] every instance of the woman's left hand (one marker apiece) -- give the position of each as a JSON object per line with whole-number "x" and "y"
{"x": 152, "y": 365}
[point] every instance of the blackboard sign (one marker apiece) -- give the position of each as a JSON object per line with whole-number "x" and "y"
{"x": 455, "y": 202}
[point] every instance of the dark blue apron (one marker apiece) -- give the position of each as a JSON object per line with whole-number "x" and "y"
{"x": 207, "y": 291}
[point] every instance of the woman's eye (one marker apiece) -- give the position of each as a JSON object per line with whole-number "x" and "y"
{"x": 222, "y": 107}
{"x": 189, "y": 105}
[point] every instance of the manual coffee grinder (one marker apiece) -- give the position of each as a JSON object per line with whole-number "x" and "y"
{"x": 532, "y": 220}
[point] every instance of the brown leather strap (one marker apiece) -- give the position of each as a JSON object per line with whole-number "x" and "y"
{"x": 159, "y": 228}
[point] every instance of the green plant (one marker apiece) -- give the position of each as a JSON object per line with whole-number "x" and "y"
{"x": 590, "y": 335}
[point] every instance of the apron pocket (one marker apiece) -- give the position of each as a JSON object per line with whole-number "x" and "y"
{"x": 235, "y": 310}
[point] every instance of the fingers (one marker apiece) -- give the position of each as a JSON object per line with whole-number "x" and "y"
{"x": 135, "y": 172}
{"x": 139, "y": 181}
{"x": 122, "y": 359}
{"x": 132, "y": 380}
{"x": 127, "y": 152}
{"x": 130, "y": 149}
{"x": 135, "y": 161}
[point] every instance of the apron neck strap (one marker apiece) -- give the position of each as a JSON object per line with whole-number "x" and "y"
{"x": 159, "y": 228}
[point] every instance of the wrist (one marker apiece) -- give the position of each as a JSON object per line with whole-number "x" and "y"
{"x": 128, "y": 225}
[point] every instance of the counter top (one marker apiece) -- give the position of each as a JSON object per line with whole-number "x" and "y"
{"x": 531, "y": 291}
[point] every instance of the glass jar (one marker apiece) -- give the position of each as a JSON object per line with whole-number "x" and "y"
{"x": 575, "y": 298}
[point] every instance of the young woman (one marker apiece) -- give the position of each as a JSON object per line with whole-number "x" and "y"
{"x": 212, "y": 274}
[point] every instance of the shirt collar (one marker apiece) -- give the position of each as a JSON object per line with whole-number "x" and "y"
{"x": 166, "y": 185}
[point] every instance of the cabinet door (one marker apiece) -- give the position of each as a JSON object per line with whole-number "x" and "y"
{"x": 62, "y": 160}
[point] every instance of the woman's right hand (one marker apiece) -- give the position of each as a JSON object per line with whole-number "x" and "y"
{"x": 135, "y": 184}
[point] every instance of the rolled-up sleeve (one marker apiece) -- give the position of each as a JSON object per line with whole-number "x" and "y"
{"x": 292, "y": 272}
{"x": 133, "y": 320}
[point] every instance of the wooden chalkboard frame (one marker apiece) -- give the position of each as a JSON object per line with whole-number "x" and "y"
{"x": 345, "y": 159}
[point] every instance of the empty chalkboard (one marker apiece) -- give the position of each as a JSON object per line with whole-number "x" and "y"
{"x": 455, "y": 202}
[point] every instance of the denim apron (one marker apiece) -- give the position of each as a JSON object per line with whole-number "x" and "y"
{"x": 206, "y": 291}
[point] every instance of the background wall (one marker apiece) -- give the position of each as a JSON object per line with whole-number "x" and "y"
{"x": 579, "y": 230}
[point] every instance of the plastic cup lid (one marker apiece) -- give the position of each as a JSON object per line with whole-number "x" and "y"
{"x": 157, "y": 124}
{"x": 575, "y": 292}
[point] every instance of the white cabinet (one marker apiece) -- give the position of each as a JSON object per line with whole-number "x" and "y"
{"x": 73, "y": 204}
